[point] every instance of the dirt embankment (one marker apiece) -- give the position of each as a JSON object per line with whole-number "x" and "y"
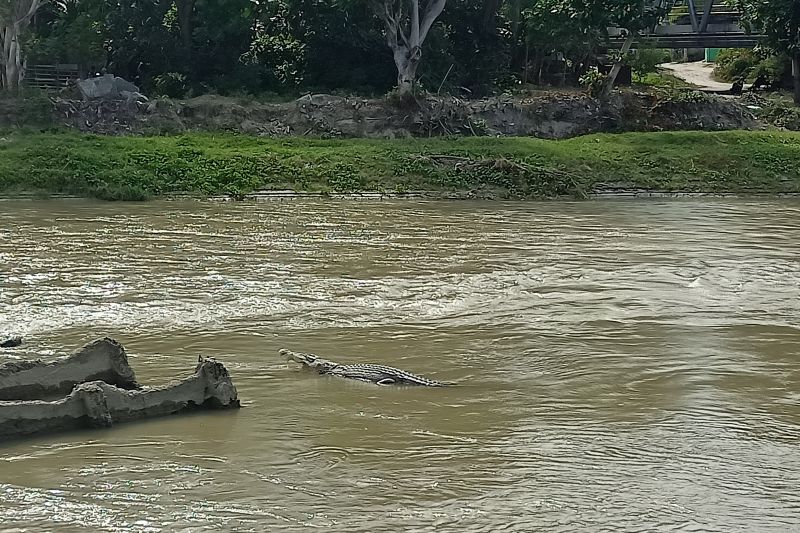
{"x": 552, "y": 115}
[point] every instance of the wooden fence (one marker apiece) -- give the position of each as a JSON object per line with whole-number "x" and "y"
{"x": 50, "y": 76}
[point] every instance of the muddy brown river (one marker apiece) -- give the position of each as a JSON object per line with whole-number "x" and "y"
{"x": 622, "y": 365}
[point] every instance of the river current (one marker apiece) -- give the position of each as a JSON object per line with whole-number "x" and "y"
{"x": 621, "y": 365}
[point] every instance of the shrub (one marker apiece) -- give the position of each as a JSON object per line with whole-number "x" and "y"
{"x": 735, "y": 63}
{"x": 646, "y": 60}
{"x": 773, "y": 71}
{"x": 171, "y": 84}
{"x": 594, "y": 81}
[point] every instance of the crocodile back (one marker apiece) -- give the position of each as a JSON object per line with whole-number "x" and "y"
{"x": 377, "y": 373}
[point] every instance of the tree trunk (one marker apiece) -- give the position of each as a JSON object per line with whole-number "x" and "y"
{"x": 526, "y": 69}
{"x": 12, "y": 58}
{"x": 406, "y": 62}
{"x": 796, "y": 77}
{"x": 14, "y": 22}
{"x": 407, "y": 49}
{"x": 491, "y": 9}
{"x": 612, "y": 76}
{"x": 185, "y": 12}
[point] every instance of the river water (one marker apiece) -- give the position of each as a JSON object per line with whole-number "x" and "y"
{"x": 622, "y": 365}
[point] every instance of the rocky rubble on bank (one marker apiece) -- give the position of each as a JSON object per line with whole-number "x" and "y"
{"x": 547, "y": 114}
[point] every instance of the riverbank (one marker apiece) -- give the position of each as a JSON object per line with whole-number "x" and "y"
{"x": 204, "y": 164}
{"x": 548, "y": 114}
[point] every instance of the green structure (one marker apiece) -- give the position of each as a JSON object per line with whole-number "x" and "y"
{"x": 711, "y": 54}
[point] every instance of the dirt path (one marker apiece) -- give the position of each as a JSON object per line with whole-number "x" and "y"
{"x": 697, "y": 73}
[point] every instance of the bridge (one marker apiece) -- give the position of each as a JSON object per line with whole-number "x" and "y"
{"x": 695, "y": 24}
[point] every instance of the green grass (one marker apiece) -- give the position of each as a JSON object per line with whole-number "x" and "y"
{"x": 136, "y": 168}
{"x": 662, "y": 80}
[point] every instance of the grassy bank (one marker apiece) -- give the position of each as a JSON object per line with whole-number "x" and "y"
{"x": 132, "y": 168}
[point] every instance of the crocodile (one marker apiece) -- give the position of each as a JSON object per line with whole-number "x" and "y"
{"x": 378, "y": 374}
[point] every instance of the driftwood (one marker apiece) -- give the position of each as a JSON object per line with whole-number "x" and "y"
{"x": 507, "y": 167}
{"x": 97, "y": 403}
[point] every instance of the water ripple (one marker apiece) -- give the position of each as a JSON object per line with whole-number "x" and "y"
{"x": 622, "y": 366}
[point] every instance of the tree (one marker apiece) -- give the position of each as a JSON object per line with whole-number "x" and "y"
{"x": 780, "y": 21}
{"x": 634, "y": 16}
{"x": 278, "y": 44}
{"x": 69, "y": 31}
{"x": 185, "y": 12}
{"x": 15, "y": 17}
{"x": 578, "y": 28}
{"x": 405, "y": 37}
{"x": 548, "y": 27}
{"x": 469, "y": 49}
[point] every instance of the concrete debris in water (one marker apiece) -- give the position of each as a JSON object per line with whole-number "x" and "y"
{"x": 103, "y": 359}
{"x": 11, "y": 342}
{"x": 95, "y": 402}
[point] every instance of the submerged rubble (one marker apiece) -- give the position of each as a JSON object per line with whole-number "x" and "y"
{"x": 101, "y": 360}
{"x": 10, "y": 342}
{"x": 96, "y": 387}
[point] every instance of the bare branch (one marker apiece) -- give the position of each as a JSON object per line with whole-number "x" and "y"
{"x": 382, "y": 11}
{"x": 31, "y": 12}
{"x": 410, "y": 28}
{"x": 415, "y": 23}
{"x": 431, "y": 14}
{"x": 404, "y": 38}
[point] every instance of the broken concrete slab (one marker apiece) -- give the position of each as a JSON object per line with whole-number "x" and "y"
{"x": 107, "y": 87}
{"x": 11, "y": 342}
{"x": 98, "y": 404}
{"x": 103, "y": 359}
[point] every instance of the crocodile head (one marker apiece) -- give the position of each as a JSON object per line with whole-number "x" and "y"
{"x": 308, "y": 360}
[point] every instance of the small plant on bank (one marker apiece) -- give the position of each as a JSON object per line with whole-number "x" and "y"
{"x": 342, "y": 177}
{"x": 646, "y": 60}
{"x": 171, "y": 84}
{"x": 400, "y": 100}
{"x": 594, "y": 81}
{"x": 676, "y": 96}
{"x": 782, "y": 114}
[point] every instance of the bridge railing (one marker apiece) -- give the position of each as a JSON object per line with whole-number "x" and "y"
{"x": 695, "y": 24}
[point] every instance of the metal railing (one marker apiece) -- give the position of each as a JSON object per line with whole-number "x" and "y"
{"x": 50, "y": 77}
{"x": 696, "y": 24}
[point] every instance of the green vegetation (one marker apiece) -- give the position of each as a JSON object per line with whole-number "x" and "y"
{"x": 467, "y": 48}
{"x": 135, "y": 168}
{"x": 182, "y": 48}
{"x": 662, "y": 80}
{"x": 776, "y": 109}
{"x": 771, "y": 70}
{"x": 780, "y": 21}
{"x": 735, "y": 63}
{"x": 646, "y": 60}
